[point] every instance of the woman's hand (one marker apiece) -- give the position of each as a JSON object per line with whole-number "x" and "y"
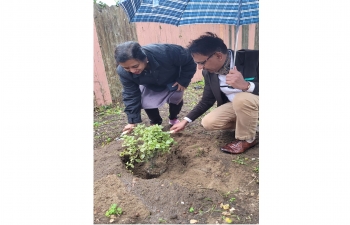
{"x": 129, "y": 128}
{"x": 179, "y": 87}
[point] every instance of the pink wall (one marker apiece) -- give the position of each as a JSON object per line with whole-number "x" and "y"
{"x": 164, "y": 33}
{"x": 101, "y": 89}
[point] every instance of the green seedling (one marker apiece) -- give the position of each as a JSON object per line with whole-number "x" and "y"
{"x": 232, "y": 199}
{"x": 162, "y": 220}
{"x": 239, "y": 160}
{"x": 256, "y": 169}
{"x": 110, "y": 110}
{"x": 227, "y": 194}
{"x": 113, "y": 210}
{"x": 97, "y": 124}
{"x": 200, "y": 152}
{"x": 191, "y": 210}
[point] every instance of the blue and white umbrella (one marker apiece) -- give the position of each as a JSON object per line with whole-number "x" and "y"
{"x": 185, "y": 12}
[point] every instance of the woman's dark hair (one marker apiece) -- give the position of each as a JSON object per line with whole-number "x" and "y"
{"x": 128, "y": 50}
{"x": 207, "y": 44}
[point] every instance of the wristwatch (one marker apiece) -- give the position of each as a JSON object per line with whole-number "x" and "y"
{"x": 247, "y": 87}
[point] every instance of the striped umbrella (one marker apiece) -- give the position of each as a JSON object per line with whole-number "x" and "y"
{"x": 185, "y": 12}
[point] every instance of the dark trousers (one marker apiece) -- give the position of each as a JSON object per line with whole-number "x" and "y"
{"x": 155, "y": 118}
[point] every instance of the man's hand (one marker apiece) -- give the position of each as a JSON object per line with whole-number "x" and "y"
{"x": 235, "y": 79}
{"x": 129, "y": 127}
{"x": 179, "y": 87}
{"x": 179, "y": 126}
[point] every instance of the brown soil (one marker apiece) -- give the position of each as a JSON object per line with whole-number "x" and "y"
{"x": 197, "y": 175}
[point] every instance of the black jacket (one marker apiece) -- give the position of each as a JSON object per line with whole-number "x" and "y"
{"x": 247, "y": 62}
{"x": 169, "y": 63}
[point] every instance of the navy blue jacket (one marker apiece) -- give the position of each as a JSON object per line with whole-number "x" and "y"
{"x": 169, "y": 63}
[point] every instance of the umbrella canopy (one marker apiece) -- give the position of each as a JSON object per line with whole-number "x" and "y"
{"x": 183, "y": 12}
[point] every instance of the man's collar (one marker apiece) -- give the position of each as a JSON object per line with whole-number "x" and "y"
{"x": 225, "y": 69}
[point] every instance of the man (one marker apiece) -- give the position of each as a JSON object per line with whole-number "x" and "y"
{"x": 234, "y": 88}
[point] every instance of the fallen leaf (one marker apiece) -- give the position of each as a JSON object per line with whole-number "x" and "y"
{"x": 193, "y": 221}
{"x": 227, "y": 206}
{"x": 226, "y": 213}
{"x": 228, "y": 220}
{"x": 231, "y": 210}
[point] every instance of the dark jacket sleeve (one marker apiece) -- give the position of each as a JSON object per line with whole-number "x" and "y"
{"x": 131, "y": 96}
{"x": 207, "y": 101}
{"x": 182, "y": 58}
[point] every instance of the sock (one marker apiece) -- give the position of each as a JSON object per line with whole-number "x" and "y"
{"x": 250, "y": 140}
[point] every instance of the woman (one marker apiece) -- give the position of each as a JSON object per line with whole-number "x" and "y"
{"x": 151, "y": 76}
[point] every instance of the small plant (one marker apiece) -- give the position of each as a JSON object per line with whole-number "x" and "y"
{"x": 109, "y": 110}
{"x": 227, "y": 194}
{"x": 256, "y": 169}
{"x": 145, "y": 144}
{"x": 200, "y": 152}
{"x": 191, "y": 210}
{"x": 97, "y": 124}
{"x": 162, "y": 220}
{"x": 232, "y": 199}
{"x": 114, "y": 210}
{"x": 239, "y": 160}
{"x": 199, "y": 84}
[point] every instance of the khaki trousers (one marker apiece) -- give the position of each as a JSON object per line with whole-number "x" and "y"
{"x": 242, "y": 114}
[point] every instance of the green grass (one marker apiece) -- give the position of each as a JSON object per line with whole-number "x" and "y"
{"x": 239, "y": 160}
{"x": 162, "y": 220}
{"x": 107, "y": 110}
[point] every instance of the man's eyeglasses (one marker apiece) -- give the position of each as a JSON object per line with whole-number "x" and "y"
{"x": 202, "y": 63}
